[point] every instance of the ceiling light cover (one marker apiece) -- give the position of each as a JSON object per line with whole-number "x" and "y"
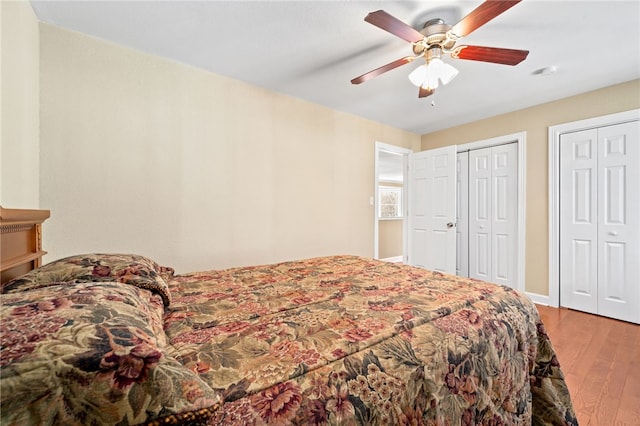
{"x": 428, "y": 75}
{"x": 444, "y": 72}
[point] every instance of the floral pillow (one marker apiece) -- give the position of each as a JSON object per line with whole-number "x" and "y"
{"x": 93, "y": 353}
{"x": 131, "y": 269}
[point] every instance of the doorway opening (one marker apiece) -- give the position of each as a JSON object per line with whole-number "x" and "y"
{"x": 390, "y": 202}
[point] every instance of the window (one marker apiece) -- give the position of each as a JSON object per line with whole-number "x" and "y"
{"x": 390, "y": 201}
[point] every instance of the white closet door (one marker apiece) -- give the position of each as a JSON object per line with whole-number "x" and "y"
{"x": 462, "y": 215}
{"x": 600, "y": 221}
{"x": 578, "y": 219}
{"x": 493, "y": 217}
{"x": 619, "y": 222}
{"x": 432, "y": 209}
{"x": 504, "y": 209}
{"x": 480, "y": 214}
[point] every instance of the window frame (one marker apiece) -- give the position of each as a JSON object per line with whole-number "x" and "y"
{"x": 399, "y": 190}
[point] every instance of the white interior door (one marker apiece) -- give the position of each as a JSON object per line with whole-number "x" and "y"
{"x": 579, "y": 218}
{"x": 504, "y": 217}
{"x": 618, "y": 231}
{"x": 600, "y": 221}
{"x": 480, "y": 214}
{"x": 432, "y": 209}
{"x": 493, "y": 214}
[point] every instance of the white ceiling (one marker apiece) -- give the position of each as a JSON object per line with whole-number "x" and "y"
{"x": 312, "y": 49}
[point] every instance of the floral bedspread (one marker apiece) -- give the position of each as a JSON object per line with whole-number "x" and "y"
{"x": 348, "y": 340}
{"x": 106, "y": 339}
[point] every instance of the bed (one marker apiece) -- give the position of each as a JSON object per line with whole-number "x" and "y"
{"x": 104, "y": 338}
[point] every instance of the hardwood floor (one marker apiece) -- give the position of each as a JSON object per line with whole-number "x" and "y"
{"x": 600, "y": 358}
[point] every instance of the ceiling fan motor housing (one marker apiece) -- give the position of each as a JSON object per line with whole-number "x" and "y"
{"x": 435, "y": 34}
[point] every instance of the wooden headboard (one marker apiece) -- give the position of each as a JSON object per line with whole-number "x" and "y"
{"x": 20, "y": 241}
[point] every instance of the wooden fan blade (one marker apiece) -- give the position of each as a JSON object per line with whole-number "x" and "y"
{"x": 496, "y": 55}
{"x": 374, "y": 73}
{"x": 393, "y": 25}
{"x": 423, "y": 93}
{"x": 480, "y": 16}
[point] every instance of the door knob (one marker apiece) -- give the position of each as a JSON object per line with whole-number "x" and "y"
{"x": 449, "y": 225}
{"x": 613, "y": 233}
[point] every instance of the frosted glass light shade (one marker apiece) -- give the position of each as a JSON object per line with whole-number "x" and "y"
{"x": 418, "y": 75}
{"x": 443, "y": 71}
{"x": 428, "y": 75}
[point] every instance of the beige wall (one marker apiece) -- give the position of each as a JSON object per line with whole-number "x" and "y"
{"x": 19, "y": 110}
{"x": 141, "y": 154}
{"x": 389, "y": 238}
{"x": 535, "y": 121}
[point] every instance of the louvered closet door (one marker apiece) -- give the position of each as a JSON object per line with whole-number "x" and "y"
{"x": 600, "y": 221}
{"x": 493, "y": 221}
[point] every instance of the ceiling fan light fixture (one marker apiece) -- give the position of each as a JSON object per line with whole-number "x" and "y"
{"x": 428, "y": 75}
{"x": 431, "y": 78}
{"x": 418, "y": 75}
{"x": 424, "y": 77}
{"x": 443, "y": 71}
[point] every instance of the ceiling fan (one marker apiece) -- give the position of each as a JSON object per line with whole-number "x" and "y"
{"x": 437, "y": 38}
